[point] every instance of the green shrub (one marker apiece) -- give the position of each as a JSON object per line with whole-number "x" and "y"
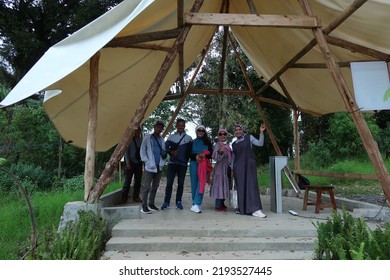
{"x": 318, "y": 154}
{"x": 74, "y": 183}
{"x": 33, "y": 178}
{"x": 347, "y": 238}
{"x": 81, "y": 240}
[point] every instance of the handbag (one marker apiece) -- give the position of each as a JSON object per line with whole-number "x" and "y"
{"x": 175, "y": 146}
{"x": 233, "y": 196}
{"x": 163, "y": 153}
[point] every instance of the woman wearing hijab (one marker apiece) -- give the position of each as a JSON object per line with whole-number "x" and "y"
{"x": 222, "y": 154}
{"x": 201, "y": 149}
{"x": 245, "y": 172}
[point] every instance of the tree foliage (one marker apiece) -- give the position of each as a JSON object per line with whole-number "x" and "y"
{"x": 28, "y": 138}
{"x": 29, "y": 27}
{"x": 334, "y": 137}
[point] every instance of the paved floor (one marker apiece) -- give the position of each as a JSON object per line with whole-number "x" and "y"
{"x": 174, "y": 222}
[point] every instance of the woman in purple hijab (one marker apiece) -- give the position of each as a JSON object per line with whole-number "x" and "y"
{"x": 245, "y": 172}
{"x": 222, "y": 154}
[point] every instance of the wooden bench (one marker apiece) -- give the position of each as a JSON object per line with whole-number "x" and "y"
{"x": 318, "y": 203}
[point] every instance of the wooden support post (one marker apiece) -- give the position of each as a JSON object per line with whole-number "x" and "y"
{"x": 297, "y": 161}
{"x": 361, "y": 125}
{"x": 111, "y": 165}
{"x": 89, "y": 172}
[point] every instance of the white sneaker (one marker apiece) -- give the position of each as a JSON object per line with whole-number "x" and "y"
{"x": 195, "y": 208}
{"x": 259, "y": 214}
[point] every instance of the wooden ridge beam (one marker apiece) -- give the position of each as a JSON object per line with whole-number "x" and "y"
{"x": 124, "y": 42}
{"x": 319, "y": 65}
{"x": 357, "y": 48}
{"x": 290, "y": 21}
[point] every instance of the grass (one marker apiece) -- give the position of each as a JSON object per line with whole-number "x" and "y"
{"x": 343, "y": 187}
{"x": 15, "y": 225}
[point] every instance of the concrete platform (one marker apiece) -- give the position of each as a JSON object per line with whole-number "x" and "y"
{"x": 182, "y": 234}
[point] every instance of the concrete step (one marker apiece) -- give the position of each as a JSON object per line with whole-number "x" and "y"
{"x": 124, "y": 231}
{"x": 208, "y": 255}
{"x": 194, "y": 244}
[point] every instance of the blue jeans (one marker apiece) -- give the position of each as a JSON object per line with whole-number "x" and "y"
{"x": 197, "y": 197}
{"x": 172, "y": 171}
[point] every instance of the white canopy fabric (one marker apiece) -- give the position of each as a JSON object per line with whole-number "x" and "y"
{"x": 125, "y": 74}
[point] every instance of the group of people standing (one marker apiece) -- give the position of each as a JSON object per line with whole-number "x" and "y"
{"x": 236, "y": 162}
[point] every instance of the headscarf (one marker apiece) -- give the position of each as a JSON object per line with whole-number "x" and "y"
{"x": 228, "y": 149}
{"x": 242, "y": 128}
{"x": 239, "y": 125}
{"x": 223, "y": 130}
{"x": 201, "y": 126}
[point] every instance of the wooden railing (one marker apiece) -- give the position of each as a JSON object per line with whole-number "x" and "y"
{"x": 338, "y": 175}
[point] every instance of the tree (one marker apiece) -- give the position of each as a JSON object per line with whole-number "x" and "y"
{"x": 29, "y": 27}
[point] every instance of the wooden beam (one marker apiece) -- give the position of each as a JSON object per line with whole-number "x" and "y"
{"x": 297, "y": 155}
{"x": 180, "y": 13}
{"x": 89, "y": 171}
{"x": 318, "y": 65}
{"x": 285, "y": 21}
{"x": 217, "y": 91}
{"x": 365, "y": 134}
{"x": 333, "y": 25}
{"x": 124, "y": 42}
{"x": 359, "y": 176}
{"x": 119, "y": 151}
{"x": 252, "y": 6}
{"x": 180, "y": 24}
{"x": 173, "y": 96}
{"x": 223, "y": 58}
{"x": 357, "y": 48}
{"x": 286, "y": 93}
{"x": 148, "y": 47}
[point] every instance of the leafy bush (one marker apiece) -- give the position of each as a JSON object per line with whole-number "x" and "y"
{"x": 319, "y": 154}
{"x": 33, "y": 178}
{"x": 74, "y": 183}
{"x": 347, "y": 238}
{"x": 344, "y": 140}
{"x": 83, "y": 240}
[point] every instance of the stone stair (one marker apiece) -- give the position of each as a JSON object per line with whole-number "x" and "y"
{"x": 193, "y": 238}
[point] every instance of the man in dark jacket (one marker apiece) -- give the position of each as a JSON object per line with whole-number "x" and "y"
{"x": 177, "y": 148}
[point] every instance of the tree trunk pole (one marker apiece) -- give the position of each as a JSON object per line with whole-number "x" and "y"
{"x": 89, "y": 171}
{"x": 365, "y": 134}
{"x": 111, "y": 165}
{"x": 297, "y": 160}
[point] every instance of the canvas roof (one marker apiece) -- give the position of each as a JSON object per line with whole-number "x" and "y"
{"x": 125, "y": 74}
